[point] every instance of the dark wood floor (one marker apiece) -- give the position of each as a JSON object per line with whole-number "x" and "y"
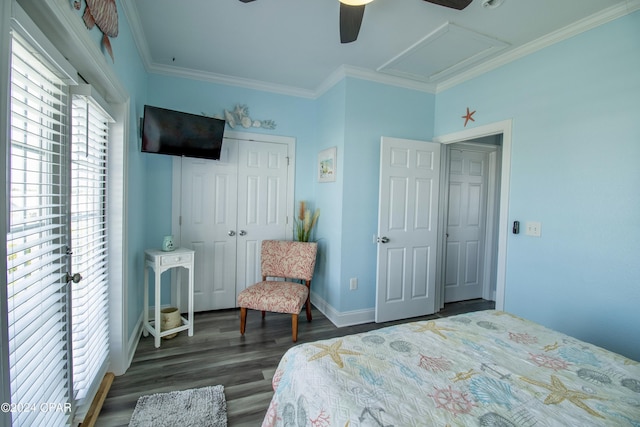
{"x": 218, "y": 354}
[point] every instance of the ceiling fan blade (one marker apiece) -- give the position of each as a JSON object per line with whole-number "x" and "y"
{"x": 453, "y": 4}
{"x": 350, "y": 21}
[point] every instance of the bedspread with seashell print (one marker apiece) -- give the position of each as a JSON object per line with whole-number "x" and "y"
{"x": 486, "y": 368}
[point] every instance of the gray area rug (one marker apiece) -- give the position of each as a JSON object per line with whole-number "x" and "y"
{"x": 202, "y": 407}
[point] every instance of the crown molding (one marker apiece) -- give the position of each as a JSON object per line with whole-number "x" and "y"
{"x": 586, "y": 24}
{"x": 231, "y": 81}
{"x": 363, "y": 74}
{"x": 135, "y": 25}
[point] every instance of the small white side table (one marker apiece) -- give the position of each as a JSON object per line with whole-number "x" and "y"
{"x": 160, "y": 261}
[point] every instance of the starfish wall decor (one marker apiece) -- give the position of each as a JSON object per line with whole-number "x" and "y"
{"x": 468, "y": 116}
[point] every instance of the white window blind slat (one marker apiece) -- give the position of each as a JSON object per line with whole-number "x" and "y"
{"x": 35, "y": 273}
{"x": 37, "y": 71}
{"x": 32, "y": 247}
{"x": 24, "y": 78}
{"x": 30, "y": 328}
{"x": 33, "y": 239}
{"x": 33, "y": 363}
{"x": 26, "y": 113}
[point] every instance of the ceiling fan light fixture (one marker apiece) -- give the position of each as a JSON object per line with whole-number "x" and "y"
{"x": 355, "y": 2}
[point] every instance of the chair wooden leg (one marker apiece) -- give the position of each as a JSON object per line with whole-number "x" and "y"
{"x": 263, "y": 314}
{"x": 308, "y": 310}
{"x": 243, "y": 320}
{"x": 294, "y": 327}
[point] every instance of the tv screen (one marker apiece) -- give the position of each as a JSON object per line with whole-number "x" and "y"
{"x": 181, "y": 134}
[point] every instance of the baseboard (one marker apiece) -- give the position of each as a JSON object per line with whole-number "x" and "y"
{"x": 342, "y": 319}
{"x": 132, "y": 345}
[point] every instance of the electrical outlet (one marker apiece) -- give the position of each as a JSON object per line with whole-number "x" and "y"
{"x": 353, "y": 284}
{"x": 533, "y": 228}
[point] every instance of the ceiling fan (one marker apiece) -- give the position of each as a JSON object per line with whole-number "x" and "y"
{"x": 352, "y": 11}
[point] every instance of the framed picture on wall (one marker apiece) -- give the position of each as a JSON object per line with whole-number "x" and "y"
{"x": 327, "y": 165}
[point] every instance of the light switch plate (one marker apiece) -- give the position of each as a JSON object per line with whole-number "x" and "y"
{"x": 533, "y": 228}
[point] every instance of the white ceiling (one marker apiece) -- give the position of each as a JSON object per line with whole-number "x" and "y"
{"x": 293, "y": 46}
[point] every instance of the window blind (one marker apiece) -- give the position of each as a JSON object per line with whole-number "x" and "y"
{"x": 37, "y": 291}
{"x": 90, "y": 322}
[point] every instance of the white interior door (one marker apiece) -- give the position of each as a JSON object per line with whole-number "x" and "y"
{"x": 466, "y": 228}
{"x": 262, "y": 204}
{"x": 227, "y": 208}
{"x": 407, "y": 228}
{"x": 209, "y": 216}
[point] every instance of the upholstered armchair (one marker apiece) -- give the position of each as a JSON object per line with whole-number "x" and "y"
{"x": 287, "y": 260}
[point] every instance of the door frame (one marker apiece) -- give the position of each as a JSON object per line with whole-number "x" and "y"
{"x": 505, "y": 128}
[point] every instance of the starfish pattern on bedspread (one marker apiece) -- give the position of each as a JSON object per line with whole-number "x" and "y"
{"x": 560, "y": 392}
{"x": 334, "y": 351}
{"x": 432, "y": 326}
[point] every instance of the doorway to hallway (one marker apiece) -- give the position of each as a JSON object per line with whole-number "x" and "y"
{"x": 503, "y": 128}
{"x": 473, "y": 185}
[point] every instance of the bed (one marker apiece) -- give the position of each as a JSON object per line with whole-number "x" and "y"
{"x": 486, "y": 368}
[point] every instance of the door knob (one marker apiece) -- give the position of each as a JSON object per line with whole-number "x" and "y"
{"x": 231, "y": 233}
{"x": 383, "y": 239}
{"x": 242, "y": 233}
{"x": 75, "y": 278}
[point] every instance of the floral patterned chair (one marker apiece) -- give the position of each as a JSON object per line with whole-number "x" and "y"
{"x": 281, "y": 259}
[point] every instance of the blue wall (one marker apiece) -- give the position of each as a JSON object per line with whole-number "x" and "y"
{"x": 131, "y": 72}
{"x": 575, "y": 151}
{"x": 373, "y": 110}
{"x": 328, "y": 196}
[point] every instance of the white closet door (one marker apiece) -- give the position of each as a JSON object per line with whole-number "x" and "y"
{"x": 228, "y": 208}
{"x": 209, "y": 210}
{"x": 262, "y": 204}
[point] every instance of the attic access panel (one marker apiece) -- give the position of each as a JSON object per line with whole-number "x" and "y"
{"x": 447, "y": 50}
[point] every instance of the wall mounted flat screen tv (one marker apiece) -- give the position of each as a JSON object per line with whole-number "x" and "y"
{"x": 181, "y": 134}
